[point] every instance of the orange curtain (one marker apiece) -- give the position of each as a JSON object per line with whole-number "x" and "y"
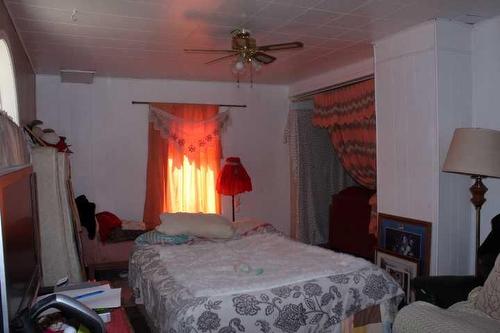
{"x": 183, "y": 165}
{"x": 349, "y": 115}
{"x": 156, "y": 179}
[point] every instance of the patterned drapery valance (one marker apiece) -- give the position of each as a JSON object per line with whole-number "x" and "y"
{"x": 349, "y": 115}
{"x": 188, "y": 136}
{"x": 13, "y": 146}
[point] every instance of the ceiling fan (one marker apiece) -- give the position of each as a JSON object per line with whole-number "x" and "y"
{"x": 245, "y": 51}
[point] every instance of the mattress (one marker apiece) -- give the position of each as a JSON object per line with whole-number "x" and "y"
{"x": 340, "y": 287}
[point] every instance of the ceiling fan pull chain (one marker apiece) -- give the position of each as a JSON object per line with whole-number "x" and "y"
{"x": 251, "y": 76}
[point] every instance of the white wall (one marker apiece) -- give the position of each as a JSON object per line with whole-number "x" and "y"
{"x": 423, "y": 91}
{"x": 332, "y": 77}
{"x": 407, "y": 159}
{"x": 109, "y": 138}
{"x": 406, "y": 124}
{"x": 454, "y": 69}
{"x": 486, "y": 100}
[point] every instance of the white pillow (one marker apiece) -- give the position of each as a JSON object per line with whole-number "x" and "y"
{"x": 245, "y": 225}
{"x": 195, "y": 224}
{"x": 488, "y": 298}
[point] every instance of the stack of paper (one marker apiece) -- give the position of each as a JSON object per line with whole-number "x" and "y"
{"x": 95, "y": 297}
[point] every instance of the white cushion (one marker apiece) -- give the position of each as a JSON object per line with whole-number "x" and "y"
{"x": 195, "y": 224}
{"x": 428, "y": 318}
{"x": 488, "y": 298}
{"x": 245, "y": 225}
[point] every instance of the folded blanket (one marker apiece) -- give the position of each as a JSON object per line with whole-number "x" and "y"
{"x": 119, "y": 235}
{"x": 154, "y": 237}
{"x": 133, "y": 225}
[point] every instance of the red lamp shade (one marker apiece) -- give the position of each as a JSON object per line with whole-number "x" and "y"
{"x": 233, "y": 178}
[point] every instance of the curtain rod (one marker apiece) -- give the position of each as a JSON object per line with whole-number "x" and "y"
{"x": 223, "y": 105}
{"x": 303, "y": 96}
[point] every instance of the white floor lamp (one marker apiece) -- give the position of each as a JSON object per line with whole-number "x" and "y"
{"x": 475, "y": 152}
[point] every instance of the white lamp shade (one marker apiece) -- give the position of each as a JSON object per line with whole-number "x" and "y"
{"x": 474, "y": 151}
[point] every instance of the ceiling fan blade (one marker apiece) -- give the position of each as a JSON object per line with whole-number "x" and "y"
{"x": 264, "y": 58}
{"x": 209, "y": 51}
{"x": 221, "y": 58}
{"x": 282, "y": 46}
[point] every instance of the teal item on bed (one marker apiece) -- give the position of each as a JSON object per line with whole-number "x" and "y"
{"x": 154, "y": 237}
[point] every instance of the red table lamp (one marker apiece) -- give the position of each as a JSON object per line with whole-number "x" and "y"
{"x": 233, "y": 179}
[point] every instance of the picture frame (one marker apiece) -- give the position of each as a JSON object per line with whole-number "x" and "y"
{"x": 406, "y": 237}
{"x": 400, "y": 268}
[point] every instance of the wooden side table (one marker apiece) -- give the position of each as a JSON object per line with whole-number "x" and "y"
{"x": 119, "y": 320}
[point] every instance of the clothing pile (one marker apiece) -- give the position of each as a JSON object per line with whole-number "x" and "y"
{"x": 47, "y": 136}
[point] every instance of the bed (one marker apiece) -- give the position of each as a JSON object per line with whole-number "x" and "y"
{"x": 259, "y": 281}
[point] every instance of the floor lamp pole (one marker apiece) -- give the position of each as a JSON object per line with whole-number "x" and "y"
{"x": 232, "y": 203}
{"x": 478, "y": 189}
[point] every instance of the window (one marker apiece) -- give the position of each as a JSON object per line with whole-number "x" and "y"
{"x": 183, "y": 160}
{"x": 8, "y": 94}
{"x": 191, "y": 185}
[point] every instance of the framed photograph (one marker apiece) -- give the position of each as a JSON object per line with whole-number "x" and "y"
{"x": 401, "y": 269}
{"x": 406, "y": 237}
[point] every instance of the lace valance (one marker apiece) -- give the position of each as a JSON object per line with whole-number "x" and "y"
{"x": 188, "y": 136}
{"x": 13, "y": 146}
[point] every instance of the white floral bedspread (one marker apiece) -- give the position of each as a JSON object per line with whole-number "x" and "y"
{"x": 208, "y": 269}
{"x": 314, "y": 305}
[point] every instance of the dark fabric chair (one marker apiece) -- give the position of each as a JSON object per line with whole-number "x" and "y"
{"x": 349, "y": 222}
{"x": 445, "y": 291}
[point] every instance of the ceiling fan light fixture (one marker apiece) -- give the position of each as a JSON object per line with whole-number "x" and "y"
{"x": 245, "y": 54}
{"x": 239, "y": 66}
{"x": 256, "y": 65}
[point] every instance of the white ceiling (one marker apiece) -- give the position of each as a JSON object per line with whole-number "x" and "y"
{"x": 146, "y": 38}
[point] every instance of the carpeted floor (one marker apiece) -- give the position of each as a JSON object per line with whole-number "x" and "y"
{"x": 118, "y": 279}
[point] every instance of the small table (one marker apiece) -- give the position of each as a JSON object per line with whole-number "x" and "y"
{"x": 119, "y": 320}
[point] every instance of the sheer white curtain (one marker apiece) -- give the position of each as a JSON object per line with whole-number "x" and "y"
{"x": 315, "y": 174}
{"x": 13, "y": 147}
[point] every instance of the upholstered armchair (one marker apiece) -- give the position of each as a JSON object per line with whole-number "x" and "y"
{"x": 449, "y": 304}
{"x": 444, "y": 291}
{"x": 350, "y": 222}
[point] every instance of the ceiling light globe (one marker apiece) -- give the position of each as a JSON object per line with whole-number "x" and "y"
{"x": 256, "y": 65}
{"x": 239, "y": 66}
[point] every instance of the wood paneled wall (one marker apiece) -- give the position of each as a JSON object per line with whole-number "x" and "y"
{"x": 486, "y": 101}
{"x": 423, "y": 92}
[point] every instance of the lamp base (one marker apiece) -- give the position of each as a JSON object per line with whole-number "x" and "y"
{"x": 478, "y": 190}
{"x": 232, "y": 205}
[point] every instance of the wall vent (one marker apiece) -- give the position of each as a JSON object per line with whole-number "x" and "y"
{"x": 468, "y": 18}
{"x": 77, "y": 76}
